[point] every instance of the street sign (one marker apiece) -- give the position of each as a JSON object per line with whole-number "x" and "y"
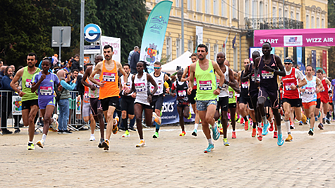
{"x": 91, "y": 49}
{"x": 92, "y": 33}
{"x": 66, "y": 36}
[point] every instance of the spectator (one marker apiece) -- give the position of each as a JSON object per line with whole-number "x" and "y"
{"x": 75, "y": 62}
{"x": 1, "y": 64}
{"x": 13, "y": 68}
{"x": 81, "y": 71}
{"x": 64, "y": 101}
{"x": 135, "y": 57}
{"x": 131, "y": 53}
{"x": 6, "y": 99}
{"x": 2, "y": 73}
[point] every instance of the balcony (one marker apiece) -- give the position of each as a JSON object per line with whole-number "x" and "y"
{"x": 272, "y": 23}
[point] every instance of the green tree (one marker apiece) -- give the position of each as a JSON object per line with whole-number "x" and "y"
{"x": 331, "y": 51}
{"x": 123, "y": 19}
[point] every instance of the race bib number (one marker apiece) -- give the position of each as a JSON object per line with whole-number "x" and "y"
{"x": 231, "y": 94}
{"x": 45, "y": 90}
{"x": 28, "y": 83}
{"x": 108, "y": 77}
{"x": 245, "y": 85}
{"x": 86, "y": 97}
{"x": 205, "y": 85}
{"x": 182, "y": 93}
{"x": 140, "y": 87}
{"x": 309, "y": 90}
{"x": 288, "y": 86}
{"x": 195, "y": 82}
{"x": 253, "y": 77}
{"x": 267, "y": 74}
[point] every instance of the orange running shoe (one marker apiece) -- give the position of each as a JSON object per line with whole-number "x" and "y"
{"x": 246, "y": 125}
{"x": 233, "y": 135}
{"x": 253, "y": 132}
{"x": 183, "y": 133}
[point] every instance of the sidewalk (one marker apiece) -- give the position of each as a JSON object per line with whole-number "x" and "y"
{"x": 170, "y": 160}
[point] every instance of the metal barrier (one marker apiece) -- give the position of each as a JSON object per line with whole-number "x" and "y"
{"x": 11, "y": 112}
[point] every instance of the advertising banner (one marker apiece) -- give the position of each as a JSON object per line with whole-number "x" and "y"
{"x": 115, "y": 43}
{"x": 295, "y": 37}
{"x": 169, "y": 111}
{"x": 154, "y": 33}
{"x": 199, "y": 35}
{"x": 16, "y": 105}
{"x": 299, "y": 60}
{"x": 314, "y": 59}
{"x": 324, "y": 60}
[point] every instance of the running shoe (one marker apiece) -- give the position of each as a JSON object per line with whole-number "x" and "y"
{"x": 195, "y": 132}
{"x": 241, "y": 121}
{"x": 265, "y": 129}
{"x": 271, "y": 127}
{"x": 215, "y": 132}
{"x": 275, "y": 134}
{"x": 189, "y": 116}
{"x": 17, "y": 131}
{"x": 60, "y": 131}
{"x": 292, "y": 126}
{"x": 300, "y": 122}
{"x": 141, "y": 144}
{"x": 280, "y": 141}
{"x": 225, "y": 142}
{"x": 156, "y": 135}
{"x": 209, "y": 148}
{"x": 233, "y": 135}
{"x": 126, "y": 134}
{"x": 311, "y": 132}
{"x": 259, "y": 137}
{"x": 92, "y": 138}
{"x": 183, "y": 133}
{"x": 221, "y": 130}
{"x": 246, "y": 125}
{"x": 158, "y": 119}
{"x": 253, "y": 132}
{"x": 320, "y": 126}
{"x": 327, "y": 120}
{"x": 105, "y": 145}
{"x": 289, "y": 138}
{"x": 30, "y": 146}
{"x": 40, "y": 143}
{"x": 100, "y": 144}
{"x": 115, "y": 128}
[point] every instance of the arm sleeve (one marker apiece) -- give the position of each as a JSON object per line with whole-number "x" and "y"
{"x": 67, "y": 86}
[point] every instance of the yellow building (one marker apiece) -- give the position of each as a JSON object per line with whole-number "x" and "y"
{"x": 221, "y": 19}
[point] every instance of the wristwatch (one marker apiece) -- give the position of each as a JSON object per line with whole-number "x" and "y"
{"x": 220, "y": 87}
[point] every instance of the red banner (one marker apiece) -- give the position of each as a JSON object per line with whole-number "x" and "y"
{"x": 324, "y": 60}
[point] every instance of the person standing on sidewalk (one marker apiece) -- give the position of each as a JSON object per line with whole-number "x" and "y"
{"x": 29, "y": 99}
{"x": 207, "y": 92}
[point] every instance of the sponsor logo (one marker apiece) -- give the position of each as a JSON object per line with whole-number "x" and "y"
{"x": 293, "y": 40}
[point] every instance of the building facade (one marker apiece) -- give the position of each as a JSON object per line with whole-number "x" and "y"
{"x": 223, "y": 20}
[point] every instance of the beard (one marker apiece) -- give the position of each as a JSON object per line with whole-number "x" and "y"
{"x": 108, "y": 58}
{"x": 31, "y": 66}
{"x": 201, "y": 58}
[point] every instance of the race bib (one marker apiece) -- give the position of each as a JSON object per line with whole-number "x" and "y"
{"x": 231, "y": 94}
{"x": 205, "y": 85}
{"x": 288, "y": 86}
{"x": 28, "y": 83}
{"x": 253, "y": 77}
{"x": 86, "y": 97}
{"x": 182, "y": 93}
{"x": 245, "y": 85}
{"x": 309, "y": 90}
{"x": 140, "y": 87}
{"x": 267, "y": 74}
{"x": 46, "y": 90}
{"x": 195, "y": 82}
{"x": 108, "y": 77}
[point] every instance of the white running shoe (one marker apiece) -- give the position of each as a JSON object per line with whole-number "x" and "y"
{"x": 92, "y": 138}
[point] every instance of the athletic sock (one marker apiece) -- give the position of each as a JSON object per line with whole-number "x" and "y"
{"x": 245, "y": 118}
{"x": 196, "y": 126}
{"x": 30, "y": 142}
{"x": 254, "y": 125}
{"x": 287, "y": 124}
{"x": 328, "y": 115}
{"x": 265, "y": 121}
{"x": 44, "y": 136}
{"x": 157, "y": 126}
{"x": 92, "y": 134}
{"x": 210, "y": 141}
{"x": 125, "y": 124}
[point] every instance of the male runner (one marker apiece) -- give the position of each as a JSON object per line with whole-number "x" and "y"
{"x": 244, "y": 97}
{"x": 324, "y": 93}
{"x": 29, "y": 99}
{"x": 309, "y": 91}
{"x": 157, "y": 99}
{"x": 95, "y": 104}
{"x": 191, "y": 97}
{"x": 207, "y": 92}
{"x": 291, "y": 98}
{"x": 109, "y": 90}
{"x": 127, "y": 101}
{"x": 267, "y": 67}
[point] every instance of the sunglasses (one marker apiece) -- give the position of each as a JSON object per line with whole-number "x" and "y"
{"x": 30, "y": 59}
{"x": 287, "y": 63}
{"x": 156, "y": 67}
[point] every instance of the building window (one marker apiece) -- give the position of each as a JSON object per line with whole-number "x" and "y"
{"x": 209, "y": 51}
{"x": 207, "y": 6}
{"x": 168, "y": 48}
{"x": 292, "y": 15}
{"x": 323, "y": 23}
{"x": 223, "y": 8}
{"x": 317, "y": 22}
{"x": 260, "y": 9}
{"x": 178, "y": 48}
{"x": 157, "y": 1}
{"x": 190, "y": 46}
{"x": 254, "y": 9}
{"x": 246, "y": 8}
{"x": 215, "y": 51}
{"x": 286, "y": 14}
{"x": 297, "y": 16}
{"x": 307, "y": 21}
{"x": 189, "y": 4}
{"x": 198, "y": 4}
{"x": 280, "y": 13}
{"x": 177, "y": 3}
{"x": 215, "y": 7}
{"x": 234, "y": 7}
{"x": 312, "y": 22}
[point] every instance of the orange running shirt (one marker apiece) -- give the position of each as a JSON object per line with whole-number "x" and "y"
{"x": 110, "y": 78}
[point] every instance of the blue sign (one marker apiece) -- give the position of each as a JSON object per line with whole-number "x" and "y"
{"x": 299, "y": 60}
{"x": 92, "y": 33}
{"x": 314, "y": 60}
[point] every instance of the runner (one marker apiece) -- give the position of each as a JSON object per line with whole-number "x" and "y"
{"x": 109, "y": 90}
{"x": 244, "y": 97}
{"x": 207, "y": 92}
{"x": 157, "y": 99}
{"x": 309, "y": 91}
{"x": 182, "y": 101}
{"x": 267, "y": 67}
{"x": 29, "y": 99}
{"x": 324, "y": 93}
{"x": 45, "y": 82}
{"x": 291, "y": 98}
{"x": 232, "y": 108}
{"x": 222, "y": 103}
{"x": 140, "y": 87}
{"x": 192, "y": 96}
{"x": 127, "y": 101}
{"x": 95, "y": 104}
{"x": 249, "y": 74}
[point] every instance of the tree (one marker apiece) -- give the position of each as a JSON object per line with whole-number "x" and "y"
{"x": 123, "y": 19}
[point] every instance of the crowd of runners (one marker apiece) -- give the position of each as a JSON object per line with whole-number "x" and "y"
{"x": 266, "y": 92}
